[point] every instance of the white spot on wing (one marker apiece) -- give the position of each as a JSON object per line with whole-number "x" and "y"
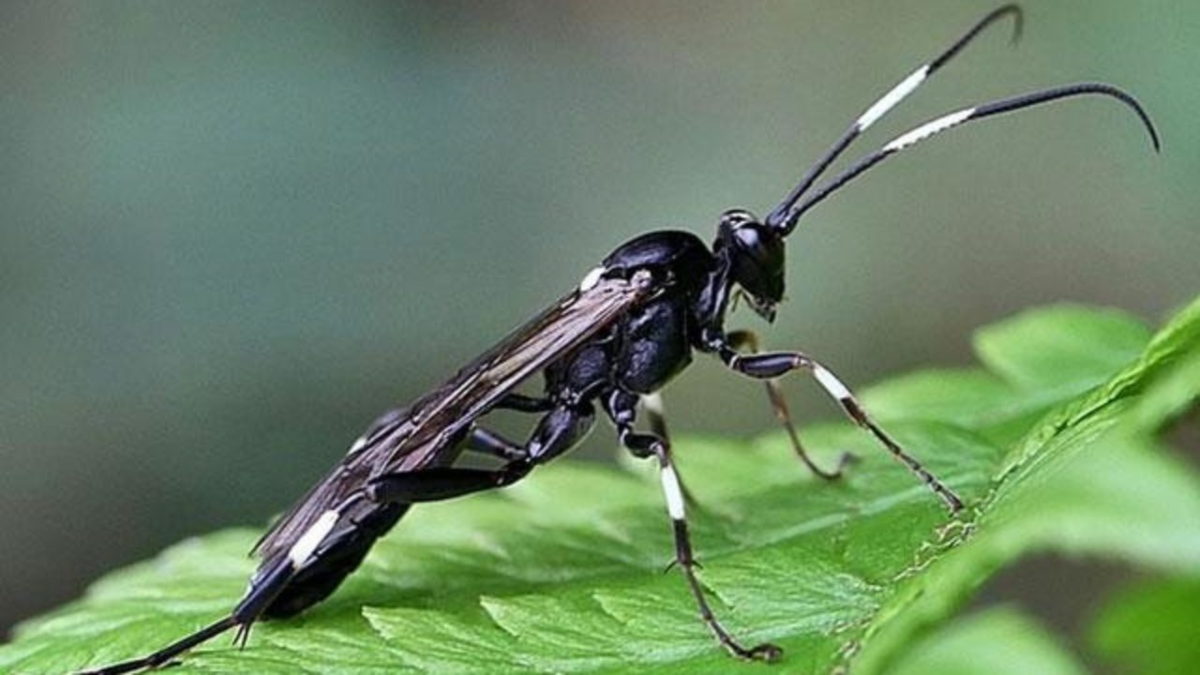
{"x": 890, "y": 99}
{"x": 673, "y": 492}
{"x": 358, "y": 444}
{"x": 307, "y": 544}
{"x": 591, "y": 279}
{"x": 928, "y": 129}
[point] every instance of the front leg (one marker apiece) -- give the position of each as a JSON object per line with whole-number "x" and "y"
{"x": 745, "y": 338}
{"x": 775, "y": 364}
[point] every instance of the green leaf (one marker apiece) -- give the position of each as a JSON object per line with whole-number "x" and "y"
{"x": 1052, "y": 447}
{"x": 1039, "y": 349}
{"x": 1151, "y": 627}
{"x": 999, "y": 641}
{"x": 1080, "y": 481}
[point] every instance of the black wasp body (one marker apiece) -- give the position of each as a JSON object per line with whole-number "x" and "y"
{"x": 604, "y": 349}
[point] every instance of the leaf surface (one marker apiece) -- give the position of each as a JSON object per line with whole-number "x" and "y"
{"x": 1052, "y": 445}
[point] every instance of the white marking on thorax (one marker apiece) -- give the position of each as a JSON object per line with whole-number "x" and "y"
{"x": 890, "y": 99}
{"x": 831, "y": 384}
{"x": 591, "y": 278}
{"x": 673, "y": 492}
{"x": 307, "y": 544}
{"x": 653, "y": 403}
{"x": 928, "y": 129}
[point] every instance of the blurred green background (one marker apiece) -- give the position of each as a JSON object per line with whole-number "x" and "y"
{"x": 231, "y": 234}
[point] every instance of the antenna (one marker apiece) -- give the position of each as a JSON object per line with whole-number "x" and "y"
{"x": 787, "y": 221}
{"x": 888, "y": 101}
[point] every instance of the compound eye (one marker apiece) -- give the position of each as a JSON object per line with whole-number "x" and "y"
{"x": 755, "y": 240}
{"x": 758, "y": 265}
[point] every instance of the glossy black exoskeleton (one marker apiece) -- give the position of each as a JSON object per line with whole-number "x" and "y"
{"x": 632, "y": 324}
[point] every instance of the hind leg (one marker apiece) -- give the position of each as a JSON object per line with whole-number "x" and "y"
{"x": 560, "y": 430}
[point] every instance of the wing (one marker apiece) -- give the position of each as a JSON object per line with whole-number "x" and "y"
{"x": 428, "y": 432}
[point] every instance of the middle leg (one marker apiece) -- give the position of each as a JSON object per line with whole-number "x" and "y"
{"x": 621, "y": 407}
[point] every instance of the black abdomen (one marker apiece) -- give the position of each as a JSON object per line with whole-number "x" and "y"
{"x": 334, "y": 563}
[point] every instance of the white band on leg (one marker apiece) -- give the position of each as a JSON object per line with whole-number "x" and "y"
{"x": 673, "y": 492}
